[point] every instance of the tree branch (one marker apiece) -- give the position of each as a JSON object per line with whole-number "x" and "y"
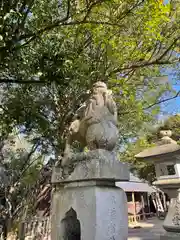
{"x": 91, "y": 7}
{"x": 168, "y": 49}
{"x": 162, "y": 101}
{"x": 157, "y": 61}
{"x": 18, "y": 81}
{"x": 153, "y": 104}
{"x": 58, "y": 24}
{"x": 145, "y": 64}
{"x": 24, "y": 167}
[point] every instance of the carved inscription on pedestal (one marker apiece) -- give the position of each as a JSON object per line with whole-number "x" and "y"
{"x": 176, "y": 218}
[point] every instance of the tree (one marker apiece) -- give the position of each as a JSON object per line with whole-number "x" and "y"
{"x": 148, "y": 41}
{"x": 21, "y": 168}
{"x": 56, "y": 58}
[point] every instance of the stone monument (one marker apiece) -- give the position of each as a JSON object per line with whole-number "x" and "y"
{"x": 166, "y": 157}
{"x": 86, "y": 204}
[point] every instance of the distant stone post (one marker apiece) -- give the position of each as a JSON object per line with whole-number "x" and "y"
{"x": 86, "y": 204}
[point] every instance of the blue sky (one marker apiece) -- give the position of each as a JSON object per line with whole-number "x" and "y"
{"x": 172, "y": 106}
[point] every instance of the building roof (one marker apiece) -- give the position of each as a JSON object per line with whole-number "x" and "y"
{"x": 136, "y": 185}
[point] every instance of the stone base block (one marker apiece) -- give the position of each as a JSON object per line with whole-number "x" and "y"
{"x": 170, "y": 236}
{"x": 94, "y": 165}
{"x": 89, "y": 211}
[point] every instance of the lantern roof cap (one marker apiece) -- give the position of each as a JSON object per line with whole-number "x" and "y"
{"x": 166, "y": 145}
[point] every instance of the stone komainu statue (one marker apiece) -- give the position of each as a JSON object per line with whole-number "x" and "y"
{"x": 95, "y": 123}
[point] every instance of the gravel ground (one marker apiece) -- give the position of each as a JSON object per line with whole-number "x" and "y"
{"x": 150, "y": 230}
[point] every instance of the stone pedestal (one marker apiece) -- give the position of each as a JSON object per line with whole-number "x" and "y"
{"x": 172, "y": 221}
{"x": 87, "y": 205}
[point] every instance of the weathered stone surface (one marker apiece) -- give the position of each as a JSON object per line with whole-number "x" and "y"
{"x": 101, "y": 212}
{"x": 86, "y": 204}
{"x": 99, "y": 207}
{"x": 94, "y": 124}
{"x": 97, "y": 164}
{"x": 169, "y": 223}
{"x": 169, "y": 186}
{"x": 159, "y": 151}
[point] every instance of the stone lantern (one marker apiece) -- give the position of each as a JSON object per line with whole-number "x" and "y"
{"x": 166, "y": 157}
